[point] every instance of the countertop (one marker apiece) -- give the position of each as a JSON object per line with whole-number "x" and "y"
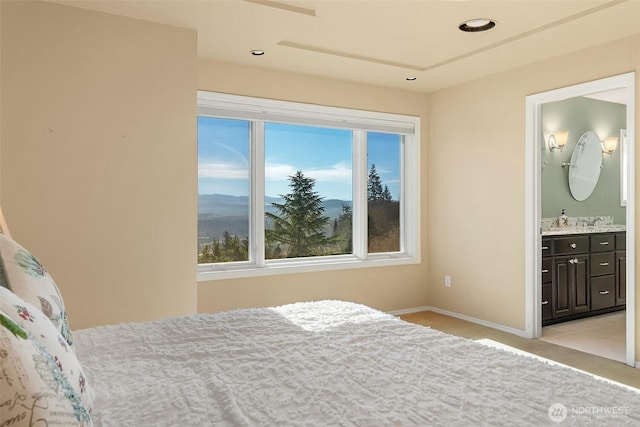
{"x": 611, "y": 228}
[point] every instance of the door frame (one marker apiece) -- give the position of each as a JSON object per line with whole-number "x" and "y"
{"x": 533, "y": 200}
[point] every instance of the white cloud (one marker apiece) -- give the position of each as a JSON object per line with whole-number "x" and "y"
{"x": 276, "y": 171}
{"x": 222, "y": 171}
{"x": 338, "y": 172}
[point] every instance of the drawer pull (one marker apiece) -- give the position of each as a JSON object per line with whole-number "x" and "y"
{"x": 544, "y": 248}
{"x": 604, "y": 264}
{"x": 604, "y": 292}
{"x": 573, "y": 261}
{"x": 573, "y": 245}
{"x": 545, "y": 271}
{"x": 545, "y": 302}
{"x": 604, "y": 243}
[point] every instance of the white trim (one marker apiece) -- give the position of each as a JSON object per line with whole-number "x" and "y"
{"x": 533, "y": 219}
{"x": 257, "y": 110}
{"x": 249, "y": 108}
{"x": 409, "y": 310}
{"x": 499, "y": 327}
{"x": 359, "y": 195}
{"x": 533, "y": 296}
{"x": 336, "y": 262}
{"x": 623, "y": 167}
{"x": 631, "y": 224}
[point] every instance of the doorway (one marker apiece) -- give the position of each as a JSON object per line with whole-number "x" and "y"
{"x": 535, "y": 138}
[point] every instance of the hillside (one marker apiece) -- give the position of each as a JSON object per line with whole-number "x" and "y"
{"x": 218, "y": 213}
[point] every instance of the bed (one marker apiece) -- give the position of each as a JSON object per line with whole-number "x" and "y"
{"x": 322, "y": 363}
{"x": 326, "y": 363}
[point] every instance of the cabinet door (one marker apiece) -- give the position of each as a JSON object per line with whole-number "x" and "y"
{"x": 621, "y": 278}
{"x": 581, "y": 295}
{"x": 561, "y": 301}
{"x": 621, "y": 241}
{"x": 570, "y": 285}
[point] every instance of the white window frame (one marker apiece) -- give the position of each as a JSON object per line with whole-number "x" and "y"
{"x": 260, "y": 110}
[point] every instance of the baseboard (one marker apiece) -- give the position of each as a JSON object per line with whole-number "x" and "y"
{"x": 408, "y": 311}
{"x": 513, "y": 331}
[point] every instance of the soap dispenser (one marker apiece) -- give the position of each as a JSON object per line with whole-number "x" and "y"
{"x": 563, "y": 220}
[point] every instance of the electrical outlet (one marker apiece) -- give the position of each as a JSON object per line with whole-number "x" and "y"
{"x": 447, "y": 281}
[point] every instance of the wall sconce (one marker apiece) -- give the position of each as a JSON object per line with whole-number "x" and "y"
{"x": 609, "y": 145}
{"x": 558, "y": 140}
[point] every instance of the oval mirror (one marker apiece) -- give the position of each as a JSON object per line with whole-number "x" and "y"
{"x": 584, "y": 167}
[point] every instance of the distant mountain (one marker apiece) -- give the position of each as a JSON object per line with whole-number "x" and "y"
{"x": 219, "y": 212}
{"x": 222, "y": 205}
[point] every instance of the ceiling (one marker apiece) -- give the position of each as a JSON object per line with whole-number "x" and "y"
{"x": 383, "y": 42}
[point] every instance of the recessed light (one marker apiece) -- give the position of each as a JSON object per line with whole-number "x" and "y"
{"x": 477, "y": 25}
{"x": 257, "y": 52}
{"x": 411, "y": 78}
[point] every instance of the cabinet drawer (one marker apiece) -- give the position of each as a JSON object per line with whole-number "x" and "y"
{"x": 546, "y": 247}
{"x": 602, "y": 243}
{"x": 571, "y": 245}
{"x": 547, "y": 311}
{"x": 621, "y": 241}
{"x": 547, "y": 270}
{"x": 603, "y": 263}
{"x": 603, "y": 292}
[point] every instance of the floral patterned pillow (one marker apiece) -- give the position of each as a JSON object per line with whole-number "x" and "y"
{"x": 28, "y": 279}
{"x": 40, "y": 329}
{"x": 33, "y": 389}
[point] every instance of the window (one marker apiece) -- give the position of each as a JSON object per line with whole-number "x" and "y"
{"x": 289, "y": 187}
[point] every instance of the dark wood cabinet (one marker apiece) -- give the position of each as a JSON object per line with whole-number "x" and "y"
{"x": 570, "y": 285}
{"x": 547, "y": 279}
{"x": 621, "y": 278}
{"x": 621, "y": 269}
{"x": 582, "y": 275}
{"x": 603, "y": 294}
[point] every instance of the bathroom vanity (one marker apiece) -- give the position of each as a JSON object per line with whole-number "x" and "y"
{"x": 583, "y": 272}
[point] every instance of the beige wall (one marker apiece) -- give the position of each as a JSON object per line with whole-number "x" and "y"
{"x": 384, "y": 288}
{"x": 98, "y": 170}
{"x": 476, "y": 181}
{"x": 99, "y": 158}
{"x": 0, "y": 101}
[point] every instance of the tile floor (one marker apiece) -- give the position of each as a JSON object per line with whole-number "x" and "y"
{"x": 602, "y": 335}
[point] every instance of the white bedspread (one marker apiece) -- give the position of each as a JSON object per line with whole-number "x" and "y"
{"x": 328, "y": 363}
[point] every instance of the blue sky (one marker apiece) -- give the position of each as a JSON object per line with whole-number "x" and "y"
{"x": 321, "y": 153}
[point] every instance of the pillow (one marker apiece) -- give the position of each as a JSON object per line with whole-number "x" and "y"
{"x": 28, "y": 279}
{"x": 33, "y": 390}
{"x": 38, "y": 326}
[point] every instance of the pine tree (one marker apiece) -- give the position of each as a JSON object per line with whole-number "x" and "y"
{"x": 206, "y": 256}
{"x": 386, "y": 194}
{"x": 345, "y": 227}
{"x": 300, "y": 222}
{"x": 374, "y": 184}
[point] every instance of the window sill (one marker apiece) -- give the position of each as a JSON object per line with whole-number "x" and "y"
{"x": 211, "y": 272}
